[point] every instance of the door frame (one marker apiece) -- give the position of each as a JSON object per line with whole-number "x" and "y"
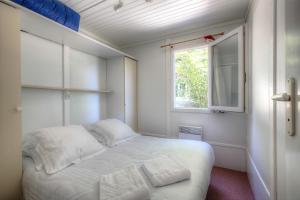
{"x": 280, "y": 86}
{"x": 273, "y": 110}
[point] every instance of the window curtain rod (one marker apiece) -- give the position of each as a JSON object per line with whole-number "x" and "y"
{"x": 204, "y": 37}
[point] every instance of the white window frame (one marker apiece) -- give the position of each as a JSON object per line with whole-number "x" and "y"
{"x": 241, "y": 74}
{"x": 176, "y": 48}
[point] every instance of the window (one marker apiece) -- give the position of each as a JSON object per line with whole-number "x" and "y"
{"x": 210, "y": 77}
{"x": 226, "y": 85}
{"x": 191, "y": 78}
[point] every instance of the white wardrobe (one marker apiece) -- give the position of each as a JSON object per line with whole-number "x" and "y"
{"x": 10, "y": 100}
{"x": 53, "y": 76}
{"x": 60, "y": 85}
{"x": 122, "y": 80}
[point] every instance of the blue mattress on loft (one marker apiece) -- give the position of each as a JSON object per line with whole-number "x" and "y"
{"x": 55, "y": 10}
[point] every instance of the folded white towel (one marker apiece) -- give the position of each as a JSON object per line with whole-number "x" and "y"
{"x": 165, "y": 170}
{"x": 126, "y": 184}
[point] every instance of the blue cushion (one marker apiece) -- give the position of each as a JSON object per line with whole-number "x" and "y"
{"x": 55, "y": 10}
{"x": 72, "y": 19}
{"x": 18, "y": 1}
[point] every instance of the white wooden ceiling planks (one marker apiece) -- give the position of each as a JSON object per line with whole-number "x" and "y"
{"x": 139, "y": 20}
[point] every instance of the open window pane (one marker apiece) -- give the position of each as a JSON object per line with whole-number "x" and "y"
{"x": 191, "y": 78}
{"x": 225, "y": 76}
{"x": 227, "y": 73}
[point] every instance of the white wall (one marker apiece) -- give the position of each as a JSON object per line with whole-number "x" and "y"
{"x": 259, "y": 140}
{"x": 226, "y": 132}
{"x": 45, "y": 63}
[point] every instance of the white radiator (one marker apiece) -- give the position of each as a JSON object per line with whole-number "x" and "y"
{"x": 190, "y": 132}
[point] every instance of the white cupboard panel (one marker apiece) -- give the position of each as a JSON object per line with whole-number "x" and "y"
{"x": 115, "y": 82}
{"x": 131, "y": 93}
{"x": 41, "y": 108}
{"x": 41, "y": 61}
{"x": 86, "y": 71}
{"x": 86, "y": 108}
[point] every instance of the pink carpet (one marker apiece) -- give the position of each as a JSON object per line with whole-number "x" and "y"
{"x": 229, "y": 185}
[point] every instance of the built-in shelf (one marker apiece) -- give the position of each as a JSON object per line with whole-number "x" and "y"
{"x": 43, "y": 27}
{"x": 87, "y": 90}
{"x": 64, "y": 89}
{"x": 42, "y": 87}
{"x": 228, "y": 64}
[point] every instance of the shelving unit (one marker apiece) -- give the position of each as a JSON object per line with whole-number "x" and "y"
{"x": 43, "y": 27}
{"x": 87, "y": 103}
{"x": 65, "y": 89}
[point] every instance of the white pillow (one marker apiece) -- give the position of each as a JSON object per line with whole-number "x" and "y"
{"x": 59, "y": 147}
{"x": 29, "y": 143}
{"x": 111, "y": 131}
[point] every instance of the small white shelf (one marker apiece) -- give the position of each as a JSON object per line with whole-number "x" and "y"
{"x": 42, "y": 87}
{"x": 43, "y": 27}
{"x": 86, "y": 90}
{"x": 64, "y": 89}
{"x": 228, "y": 64}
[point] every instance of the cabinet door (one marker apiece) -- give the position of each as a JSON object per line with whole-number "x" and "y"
{"x": 131, "y": 93}
{"x": 226, "y": 85}
{"x": 116, "y": 83}
{"x": 10, "y": 117}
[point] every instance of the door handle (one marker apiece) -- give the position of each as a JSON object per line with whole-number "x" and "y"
{"x": 289, "y": 97}
{"x": 18, "y": 109}
{"x": 281, "y": 97}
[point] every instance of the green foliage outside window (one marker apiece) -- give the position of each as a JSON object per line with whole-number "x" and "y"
{"x": 192, "y": 77}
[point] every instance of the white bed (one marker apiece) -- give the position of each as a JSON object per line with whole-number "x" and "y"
{"x": 81, "y": 181}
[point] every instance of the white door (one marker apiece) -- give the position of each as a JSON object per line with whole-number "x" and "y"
{"x": 288, "y": 66}
{"x": 10, "y": 92}
{"x": 130, "y": 93}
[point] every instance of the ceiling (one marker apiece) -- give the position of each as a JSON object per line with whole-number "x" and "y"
{"x": 139, "y": 20}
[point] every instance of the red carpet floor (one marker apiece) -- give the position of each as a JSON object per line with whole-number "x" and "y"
{"x": 227, "y": 184}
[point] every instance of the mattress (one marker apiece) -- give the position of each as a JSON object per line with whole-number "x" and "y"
{"x": 81, "y": 181}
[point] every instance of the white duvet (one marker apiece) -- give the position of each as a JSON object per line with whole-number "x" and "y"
{"x": 81, "y": 181}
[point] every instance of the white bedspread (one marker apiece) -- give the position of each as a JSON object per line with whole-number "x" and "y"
{"x": 81, "y": 181}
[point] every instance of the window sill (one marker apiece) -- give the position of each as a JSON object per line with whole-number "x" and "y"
{"x": 192, "y": 110}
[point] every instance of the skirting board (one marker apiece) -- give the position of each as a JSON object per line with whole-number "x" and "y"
{"x": 229, "y": 156}
{"x": 257, "y": 184}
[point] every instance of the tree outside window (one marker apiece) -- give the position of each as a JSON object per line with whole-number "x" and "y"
{"x": 191, "y": 78}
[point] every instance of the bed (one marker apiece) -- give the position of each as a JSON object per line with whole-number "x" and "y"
{"x": 80, "y": 181}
